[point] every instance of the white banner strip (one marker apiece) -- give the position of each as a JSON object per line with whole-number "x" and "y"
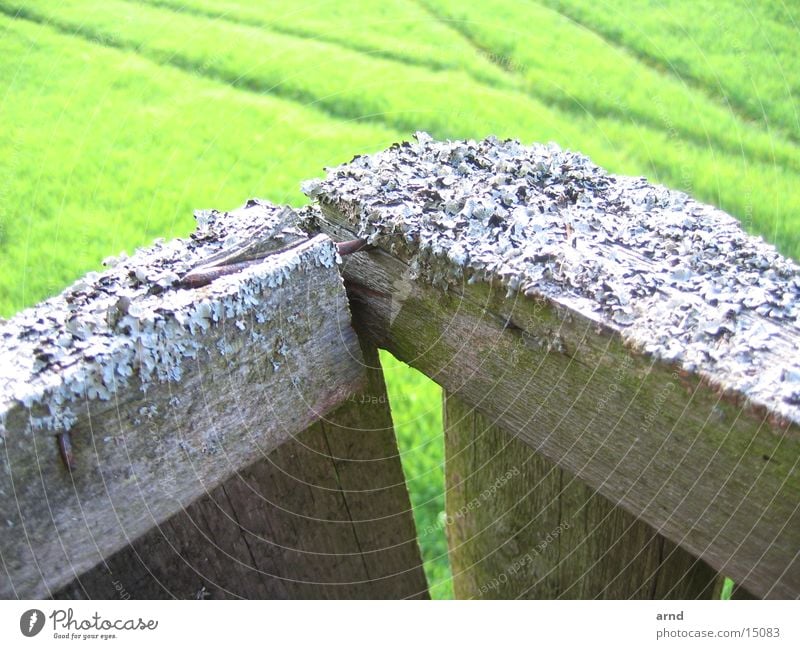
{"x": 399, "y": 624}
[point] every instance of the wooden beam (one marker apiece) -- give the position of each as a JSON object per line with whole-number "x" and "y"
{"x": 164, "y": 392}
{"x": 638, "y": 339}
{"x": 325, "y": 515}
{"x": 519, "y": 527}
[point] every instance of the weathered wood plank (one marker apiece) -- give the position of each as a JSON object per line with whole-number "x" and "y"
{"x": 165, "y": 392}
{"x": 520, "y": 527}
{"x": 325, "y": 515}
{"x": 634, "y": 337}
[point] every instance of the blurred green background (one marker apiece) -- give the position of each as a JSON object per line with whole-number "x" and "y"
{"x": 119, "y": 118}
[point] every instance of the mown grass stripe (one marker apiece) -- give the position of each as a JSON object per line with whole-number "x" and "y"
{"x": 659, "y": 66}
{"x": 407, "y": 57}
{"x": 508, "y": 77}
{"x": 594, "y": 82}
{"x": 186, "y": 64}
{"x": 377, "y": 91}
{"x": 668, "y": 36}
{"x": 571, "y": 104}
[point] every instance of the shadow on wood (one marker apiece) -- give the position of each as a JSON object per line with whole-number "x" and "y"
{"x": 325, "y": 515}
{"x": 520, "y": 527}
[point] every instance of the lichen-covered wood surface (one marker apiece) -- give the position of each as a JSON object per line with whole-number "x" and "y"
{"x": 633, "y": 336}
{"x": 165, "y": 391}
{"x": 677, "y": 279}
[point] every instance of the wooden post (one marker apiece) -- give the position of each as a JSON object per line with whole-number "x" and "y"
{"x": 637, "y": 339}
{"x": 325, "y": 515}
{"x": 127, "y": 397}
{"x": 520, "y": 527}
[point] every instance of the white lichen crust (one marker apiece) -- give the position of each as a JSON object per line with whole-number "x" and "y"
{"x": 134, "y": 325}
{"x": 677, "y": 279}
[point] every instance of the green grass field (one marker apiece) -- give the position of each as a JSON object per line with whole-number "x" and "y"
{"x": 120, "y": 118}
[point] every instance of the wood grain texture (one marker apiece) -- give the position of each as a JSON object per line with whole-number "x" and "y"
{"x": 325, "y": 515}
{"x": 708, "y": 472}
{"x": 272, "y": 352}
{"x": 520, "y": 527}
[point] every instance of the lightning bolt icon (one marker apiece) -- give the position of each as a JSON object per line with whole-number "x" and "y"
{"x": 32, "y": 620}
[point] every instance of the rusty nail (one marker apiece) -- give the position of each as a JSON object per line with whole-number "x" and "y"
{"x": 65, "y": 450}
{"x": 349, "y": 247}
